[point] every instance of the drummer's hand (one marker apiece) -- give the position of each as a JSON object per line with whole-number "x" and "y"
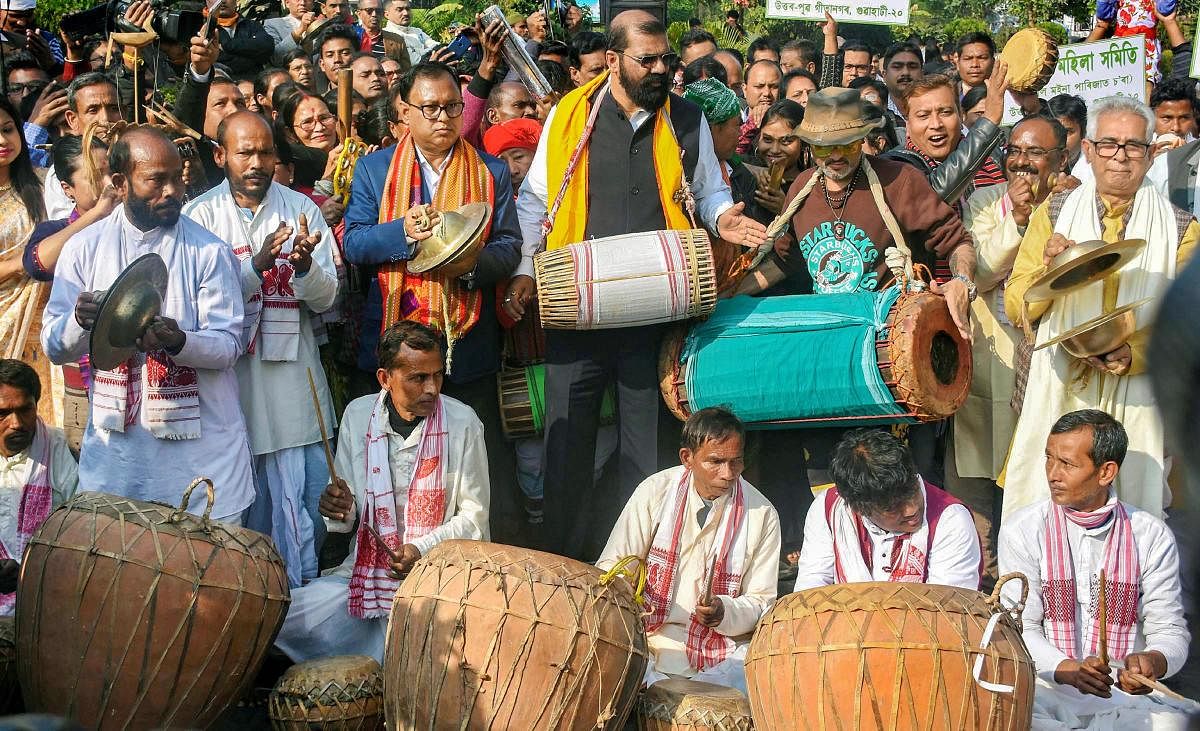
{"x": 302, "y": 247}
{"x": 1117, "y": 362}
{"x": 408, "y": 556}
{"x": 10, "y": 571}
{"x": 264, "y": 260}
{"x": 1090, "y": 676}
{"x": 1152, "y": 664}
{"x": 737, "y": 228}
{"x": 1020, "y": 192}
{"x": 710, "y": 615}
{"x": 87, "y": 306}
{"x": 162, "y": 333}
{"x": 337, "y": 501}
{"x": 419, "y": 222}
{"x": 521, "y": 290}
{"x": 1055, "y": 246}
{"x": 997, "y": 85}
{"x": 955, "y": 292}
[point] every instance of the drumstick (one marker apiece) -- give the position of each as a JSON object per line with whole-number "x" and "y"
{"x": 395, "y": 558}
{"x": 706, "y": 599}
{"x": 1103, "y": 619}
{"x": 1153, "y": 684}
{"x": 312, "y": 385}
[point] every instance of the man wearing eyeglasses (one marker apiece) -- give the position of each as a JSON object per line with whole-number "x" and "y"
{"x": 396, "y": 202}
{"x": 638, "y": 132}
{"x": 1118, "y": 204}
{"x": 996, "y": 217}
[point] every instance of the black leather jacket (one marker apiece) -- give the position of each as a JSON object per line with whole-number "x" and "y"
{"x": 953, "y": 177}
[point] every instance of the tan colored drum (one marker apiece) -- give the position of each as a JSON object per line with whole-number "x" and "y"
{"x": 891, "y": 657}
{"x": 343, "y": 693}
{"x": 1032, "y": 57}
{"x": 690, "y": 705}
{"x": 136, "y": 615}
{"x": 485, "y": 636}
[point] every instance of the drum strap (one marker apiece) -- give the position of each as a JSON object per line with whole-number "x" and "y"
{"x": 584, "y": 139}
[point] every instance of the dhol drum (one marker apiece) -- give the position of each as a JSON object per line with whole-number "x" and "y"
{"x": 879, "y": 656}
{"x": 343, "y": 693}
{"x": 525, "y": 342}
{"x": 523, "y": 402}
{"x": 691, "y": 705}
{"x": 485, "y": 636}
{"x": 821, "y": 360}
{"x": 626, "y": 281}
{"x": 137, "y": 615}
{"x": 1032, "y": 57}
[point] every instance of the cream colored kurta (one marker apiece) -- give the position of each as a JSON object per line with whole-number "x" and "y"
{"x": 983, "y": 427}
{"x": 634, "y": 533}
{"x": 15, "y": 472}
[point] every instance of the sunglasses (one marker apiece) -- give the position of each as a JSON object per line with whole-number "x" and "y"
{"x": 669, "y": 59}
{"x": 847, "y": 149}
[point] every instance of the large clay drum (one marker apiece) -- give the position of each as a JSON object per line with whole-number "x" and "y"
{"x": 137, "y": 615}
{"x": 678, "y": 704}
{"x": 485, "y": 636}
{"x": 343, "y": 693}
{"x": 890, "y": 657}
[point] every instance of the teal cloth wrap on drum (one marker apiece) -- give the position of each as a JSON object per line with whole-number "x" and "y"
{"x": 781, "y": 359}
{"x": 535, "y": 379}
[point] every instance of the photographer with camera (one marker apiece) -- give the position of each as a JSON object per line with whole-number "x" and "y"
{"x": 246, "y": 47}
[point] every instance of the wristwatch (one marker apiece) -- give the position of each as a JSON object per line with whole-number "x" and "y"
{"x": 972, "y": 290}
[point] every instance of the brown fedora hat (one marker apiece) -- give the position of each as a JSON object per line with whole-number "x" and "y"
{"x": 837, "y": 116}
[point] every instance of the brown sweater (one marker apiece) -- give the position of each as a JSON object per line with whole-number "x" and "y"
{"x": 856, "y": 262}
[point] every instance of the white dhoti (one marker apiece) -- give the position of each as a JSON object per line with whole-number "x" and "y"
{"x": 1058, "y": 707}
{"x": 319, "y": 624}
{"x": 289, "y": 483}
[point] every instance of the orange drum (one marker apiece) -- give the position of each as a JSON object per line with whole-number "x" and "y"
{"x": 485, "y": 636}
{"x": 879, "y": 656}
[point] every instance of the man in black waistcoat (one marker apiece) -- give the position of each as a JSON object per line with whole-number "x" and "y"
{"x": 625, "y": 150}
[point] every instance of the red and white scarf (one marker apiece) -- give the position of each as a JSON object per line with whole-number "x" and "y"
{"x": 371, "y": 585}
{"x": 172, "y": 397}
{"x": 1122, "y": 573}
{"x": 273, "y": 311}
{"x": 37, "y": 499}
{"x": 705, "y": 646}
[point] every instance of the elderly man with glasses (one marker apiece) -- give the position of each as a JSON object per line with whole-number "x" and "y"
{"x": 1120, "y": 203}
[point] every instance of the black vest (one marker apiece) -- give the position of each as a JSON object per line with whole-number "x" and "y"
{"x": 622, "y": 187}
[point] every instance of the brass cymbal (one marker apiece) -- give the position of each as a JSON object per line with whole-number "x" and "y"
{"x": 455, "y": 243}
{"x": 314, "y": 32}
{"x": 1099, "y": 335}
{"x": 134, "y": 299}
{"x": 1082, "y": 264}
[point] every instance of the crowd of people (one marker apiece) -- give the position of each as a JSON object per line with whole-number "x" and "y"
{"x": 292, "y": 238}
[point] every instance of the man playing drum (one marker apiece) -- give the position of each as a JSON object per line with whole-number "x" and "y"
{"x": 711, "y": 546}
{"x": 1118, "y": 204}
{"x": 882, "y": 522}
{"x": 654, "y": 159}
{"x": 411, "y": 464}
{"x": 1071, "y": 547}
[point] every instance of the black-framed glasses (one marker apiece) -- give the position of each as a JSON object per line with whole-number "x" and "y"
{"x": 1036, "y": 154}
{"x": 1133, "y": 150}
{"x": 669, "y": 59}
{"x": 433, "y": 111}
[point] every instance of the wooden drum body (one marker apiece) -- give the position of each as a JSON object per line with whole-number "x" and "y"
{"x": 627, "y": 281}
{"x": 889, "y": 657}
{"x": 342, "y": 693}
{"x": 137, "y": 615}
{"x": 523, "y": 402}
{"x": 821, "y": 360}
{"x": 485, "y": 636}
{"x": 525, "y": 342}
{"x": 690, "y": 705}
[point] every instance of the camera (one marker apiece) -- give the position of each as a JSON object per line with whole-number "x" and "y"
{"x": 173, "y": 21}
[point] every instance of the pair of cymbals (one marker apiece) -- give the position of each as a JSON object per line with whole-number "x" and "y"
{"x": 126, "y": 310}
{"x": 456, "y": 242}
{"x": 1082, "y": 264}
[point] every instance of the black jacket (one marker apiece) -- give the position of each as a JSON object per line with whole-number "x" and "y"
{"x": 248, "y": 49}
{"x": 953, "y": 178}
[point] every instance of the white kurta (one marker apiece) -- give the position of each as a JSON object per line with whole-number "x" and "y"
{"x": 1161, "y": 622}
{"x": 15, "y": 472}
{"x": 274, "y": 394}
{"x": 204, "y": 295}
{"x": 634, "y": 533}
{"x": 318, "y": 622}
{"x": 953, "y": 552}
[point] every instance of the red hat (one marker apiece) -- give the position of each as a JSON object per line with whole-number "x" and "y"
{"x": 515, "y": 133}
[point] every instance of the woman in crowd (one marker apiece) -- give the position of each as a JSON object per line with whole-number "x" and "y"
{"x": 780, "y": 152}
{"x": 311, "y": 131}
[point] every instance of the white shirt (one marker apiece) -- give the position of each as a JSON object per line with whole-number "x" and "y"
{"x": 275, "y": 397}
{"x": 467, "y": 484}
{"x": 58, "y": 205}
{"x": 204, "y": 296}
{"x": 633, "y": 535}
{"x": 709, "y": 187}
{"x": 1161, "y": 624}
{"x": 953, "y": 557}
{"x": 281, "y": 29}
{"x": 15, "y": 472}
{"x": 417, "y": 40}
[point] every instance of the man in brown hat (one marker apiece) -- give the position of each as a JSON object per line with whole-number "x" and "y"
{"x": 852, "y": 213}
